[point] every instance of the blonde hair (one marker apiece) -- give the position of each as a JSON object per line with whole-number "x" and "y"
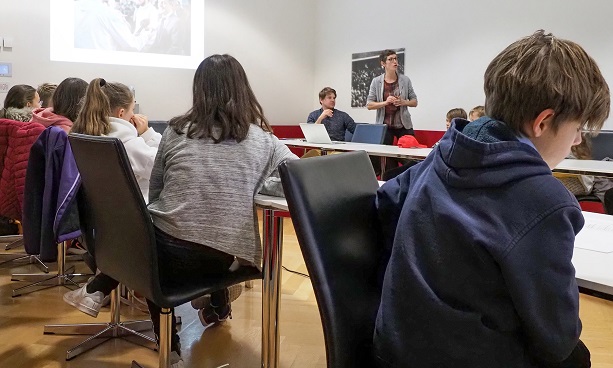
{"x": 101, "y": 99}
{"x": 478, "y": 111}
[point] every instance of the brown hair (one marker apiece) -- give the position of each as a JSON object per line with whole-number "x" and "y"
{"x": 542, "y": 72}
{"x": 19, "y": 95}
{"x": 385, "y": 54}
{"x": 477, "y": 110}
{"x": 68, "y": 97}
{"x": 458, "y": 112}
{"x": 101, "y": 99}
{"x": 324, "y": 92}
{"x": 224, "y": 106}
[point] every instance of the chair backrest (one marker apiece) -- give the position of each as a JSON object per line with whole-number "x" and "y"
{"x": 158, "y": 125}
{"x": 369, "y": 133}
{"x": 332, "y": 204}
{"x": 120, "y": 224}
{"x": 602, "y": 145}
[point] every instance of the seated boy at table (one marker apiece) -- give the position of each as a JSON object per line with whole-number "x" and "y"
{"x": 458, "y": 112}
{"x": 481, "y": 234}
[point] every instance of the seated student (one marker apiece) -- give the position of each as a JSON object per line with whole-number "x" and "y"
{"x": 45, "y": 92}
{"x": 108, "y": 109}
{"x": 229, "y": 152}
{"x": 458, "y": 112}
{"x": 19, "y": 102}
{"x": 476, "y": 113}
{"x": 66, "y": 103}
{"x": 481, "y": 235}
{"x": 582, "y": 185}
{"x": 335, "y": 121}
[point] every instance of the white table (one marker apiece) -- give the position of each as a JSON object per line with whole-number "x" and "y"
{"x": 274, "y": 209}
{"x": 592, "y": 258}
{"x": 372, "y": 149}
{"x": 582, "y": 167}
{"x": 586, "y": 167}
{"x": 593, "y": 254}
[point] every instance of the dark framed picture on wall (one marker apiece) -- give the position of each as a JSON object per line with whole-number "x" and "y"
{"x": 364, "y": 67}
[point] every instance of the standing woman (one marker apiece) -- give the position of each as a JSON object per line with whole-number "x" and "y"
{"x": 19, "y": 102}
{"x": 391, "y": 94}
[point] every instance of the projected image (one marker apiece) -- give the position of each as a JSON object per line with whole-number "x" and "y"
{"x": 165, "y": 33}
{"x": 364, "y": 67}
{"x": 155, "y": 26}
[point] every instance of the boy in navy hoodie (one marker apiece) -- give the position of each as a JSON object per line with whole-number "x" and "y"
{"x": 481, "y": 234}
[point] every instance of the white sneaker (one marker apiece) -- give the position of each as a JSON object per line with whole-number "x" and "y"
{"x": 176, "y": 361}
{"x": 86, "y": 303}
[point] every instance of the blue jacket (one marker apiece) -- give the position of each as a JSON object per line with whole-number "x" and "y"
{"x": 50, "y": 212}
{"x": 480, "y": 273}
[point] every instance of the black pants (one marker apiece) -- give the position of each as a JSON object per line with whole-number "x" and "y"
{"x": 390, "y": 162}
{"x": 177, "y": 257}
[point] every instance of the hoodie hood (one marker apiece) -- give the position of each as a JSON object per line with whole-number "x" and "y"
{"x": 47, "y": 117}
{"x": 483, "y": 154}
{"x": 16, "y": 114}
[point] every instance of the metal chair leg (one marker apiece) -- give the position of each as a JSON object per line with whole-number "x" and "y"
{"x": 101, "y": 332}
{"x": 43, "y": 281}
{"x": 14, "y": 241}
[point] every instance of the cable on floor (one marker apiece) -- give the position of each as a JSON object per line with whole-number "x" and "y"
{"x": 296, "y": 272}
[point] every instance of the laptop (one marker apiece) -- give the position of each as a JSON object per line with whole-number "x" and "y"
{"x": 316, "y": 133}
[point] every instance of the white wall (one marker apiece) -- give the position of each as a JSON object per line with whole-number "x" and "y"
{"x": 291, "y": 49}
{"x": 448, "y": 44}
{"x": 268, "y": 37}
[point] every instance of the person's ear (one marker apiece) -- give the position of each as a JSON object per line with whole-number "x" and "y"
{"x": 120, "y": 112}
{"x": 541, "y": 124}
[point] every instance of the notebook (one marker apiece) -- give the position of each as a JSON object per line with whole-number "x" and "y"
{"x": 316, "y": 133}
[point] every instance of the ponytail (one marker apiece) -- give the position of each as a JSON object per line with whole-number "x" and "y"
{"x": 93, "y": 119}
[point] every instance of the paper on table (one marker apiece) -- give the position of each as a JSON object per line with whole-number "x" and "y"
{"x": 596, "y": 235}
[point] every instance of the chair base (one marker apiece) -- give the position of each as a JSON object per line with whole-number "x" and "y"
{"x": 23, "y": 257}
{"x": 43, "y": 281}
{"x": 14, "y": 241}
{"x": 102, "y": 332}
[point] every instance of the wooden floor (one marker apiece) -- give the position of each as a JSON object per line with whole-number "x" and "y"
{"x": 237, "y": 343}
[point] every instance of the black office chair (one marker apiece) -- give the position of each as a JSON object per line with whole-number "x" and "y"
{"x": 332, "y": 204}
{"x": 126, "y": 249}
{"x": 158, "y": 125}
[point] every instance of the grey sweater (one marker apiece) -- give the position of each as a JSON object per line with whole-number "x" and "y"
{"x": 203, "y": 192}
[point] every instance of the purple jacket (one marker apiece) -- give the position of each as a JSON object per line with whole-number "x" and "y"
{"x": 50, "y": 212}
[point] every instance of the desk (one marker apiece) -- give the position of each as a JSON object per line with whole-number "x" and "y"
{"x": 372, "y": 149}
{"x": 593, "y": 266}
{"x": 582, "y": 167}
{"x": 274, "y": 209}
{"x": 586, "y": 167}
